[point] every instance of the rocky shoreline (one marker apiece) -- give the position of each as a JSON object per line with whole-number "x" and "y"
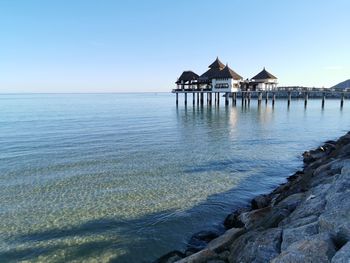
{"x": 306, "y": 219}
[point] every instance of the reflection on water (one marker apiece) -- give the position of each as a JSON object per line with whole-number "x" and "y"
{"x": 128, "y": 177}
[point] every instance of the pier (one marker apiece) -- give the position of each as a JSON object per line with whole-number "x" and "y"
{"x": 221, "y": 81}
{"x": 247, "y": 96}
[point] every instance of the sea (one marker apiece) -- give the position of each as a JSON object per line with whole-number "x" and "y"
{"x": 130, "y": 177}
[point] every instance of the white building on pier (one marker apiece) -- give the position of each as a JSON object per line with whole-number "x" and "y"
{"x": 221, "y": 78}
{"x": 263, "y": 81}
{"x": 218, "y": 78}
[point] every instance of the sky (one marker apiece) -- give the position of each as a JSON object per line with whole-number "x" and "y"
{"x": 140, "y": 46}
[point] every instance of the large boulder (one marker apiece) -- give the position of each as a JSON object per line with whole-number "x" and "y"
{"x": 252, "y": 218}
{"x": 317, "y": 248}
{"x": 288, "y": 223}
{"x": 202, "y": 256}
{"x": 261, "y": 201}
{"x": 336, "y": 217}
{"x": 314, "y": 204}
{"x": 170, "y": 257}
{"x": 291, "y": 235}
{"x": 223, "y": 242}
{"x": 256, "y": 246}
{"x": 200, "y": 240}
{"x": 291, "y": 202}
{"x": 233, "y": 221}
{"x": 313, "y": 155}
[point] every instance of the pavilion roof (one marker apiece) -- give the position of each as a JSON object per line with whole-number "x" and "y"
{"x": 217, "y": 64}
{"x": 227, "y": 73}
{"x": 264, "y": 74}
{"x": 187, "y": 76}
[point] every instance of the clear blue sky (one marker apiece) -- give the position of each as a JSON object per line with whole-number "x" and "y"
{"x": 121, "y": 46}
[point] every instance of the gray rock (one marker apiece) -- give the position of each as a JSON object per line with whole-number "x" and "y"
{"x": 233, "y": 221}
{"x": 323, "y": 174}
{"x": 200, "y": 240}
{"x": 223, "y": 242}
{"x": 291, "y": 235}
{"x": 343, "y": 255}
{"x": 200, "y": 257}
{"x": 344, "y": 151}
{"x": 318, "y": 249}
{"x": 252, "y": 218}
{"x": 336, "y": 217}
{"x": 313, "y": 155}
{"x": 256, "y": 246}
{"x": 261, "y": 201}
{"x": 291, "y": 202}
{"x": 273, "y": 219}
{"x": 224, "y": 255}
{"x": 314, "y": 204}
{"x": 338, "y": 226}
{"x": 170, "y": 257}
{"x": 289, "y": 222}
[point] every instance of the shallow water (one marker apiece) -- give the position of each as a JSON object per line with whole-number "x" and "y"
{"x": 128, "y": 177}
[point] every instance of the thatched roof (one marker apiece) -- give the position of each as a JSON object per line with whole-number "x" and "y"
{"x": 187, "y": 76}
{"x": 213, "y": 71}
{"x": 264, "y": 75}
{"x": 210, "y": 73}
{"x": 227, "y": 73}
{"x": 217, "y": 64}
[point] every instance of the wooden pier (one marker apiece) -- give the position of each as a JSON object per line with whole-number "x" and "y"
{"x": 213, "y": 98}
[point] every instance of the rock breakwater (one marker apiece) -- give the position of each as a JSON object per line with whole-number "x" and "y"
{"x": 306, "y": 219}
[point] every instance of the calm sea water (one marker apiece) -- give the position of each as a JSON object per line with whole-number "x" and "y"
{"x": 128, "y": 177}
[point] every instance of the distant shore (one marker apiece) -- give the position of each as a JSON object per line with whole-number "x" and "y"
{"x": 306, "y": 219}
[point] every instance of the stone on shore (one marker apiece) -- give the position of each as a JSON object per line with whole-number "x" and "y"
{"x": 232, "y": 220}
{"x": 170, "y": 257}
{"x": 291, "y": 235}
{"x": 317, "y": 248}
{"x": 256, "y": 246}
{"x": 261, "y": 201}
{"x": 200, "y": 257}
{"x": 200, "y": 240}
{"x": 223, "y": 242}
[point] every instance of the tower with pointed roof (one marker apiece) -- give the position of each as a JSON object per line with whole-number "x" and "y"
{"x": 220, "y": 78}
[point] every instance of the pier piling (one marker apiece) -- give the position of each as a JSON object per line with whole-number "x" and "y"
{"x": 177, "y": 99}
{"x": 306, "y": 96}
{"x": 342, "y": 100}
{"x": 273, "y": 98}
{"x": 289, "y": 98}
{"x": 259, "y": 97}
{"x": 185, "y": 98}
{"x": 267, "y": 97}
{"x": 226, "y": 98}
{"x": 323, "y": 99}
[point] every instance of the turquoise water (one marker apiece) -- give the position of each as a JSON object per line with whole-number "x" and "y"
{"x": 128, "y": 177}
